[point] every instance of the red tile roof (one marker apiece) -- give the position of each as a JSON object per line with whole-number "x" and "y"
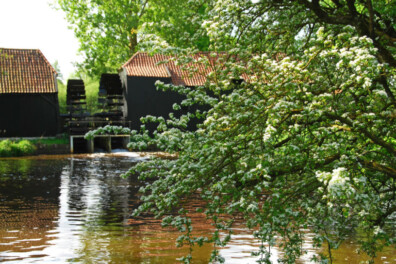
{"x": 26, "y": 71}
{"x": 143, "y": 64}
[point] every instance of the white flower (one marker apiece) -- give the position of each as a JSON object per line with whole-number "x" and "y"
{"x": 268, "y": 132}
{"x": 337, "y": 178}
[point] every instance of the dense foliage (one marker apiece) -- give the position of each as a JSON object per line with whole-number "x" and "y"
{"x": 308, "y": 140}
{"x": 10, "y": 148}
{"x": 110, "y": 32}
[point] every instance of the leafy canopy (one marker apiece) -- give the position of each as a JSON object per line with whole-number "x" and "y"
{"x": 110, "y": 32}
{"x": 308, "y": 140}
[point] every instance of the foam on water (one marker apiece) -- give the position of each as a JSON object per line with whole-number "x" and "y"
{"x": 126, "y": 153}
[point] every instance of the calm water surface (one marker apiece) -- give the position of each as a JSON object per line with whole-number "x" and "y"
{"x": 77, "y": 209}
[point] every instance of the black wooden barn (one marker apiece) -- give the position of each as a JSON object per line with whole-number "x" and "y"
{"x": 138, "y": 76}
{"x": 28, "y": 94}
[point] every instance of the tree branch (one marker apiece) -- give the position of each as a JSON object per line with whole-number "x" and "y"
{"x": 143, "y": 9}
{"x": 300, "y": 167}
{"x": 314, "y": 6}
{"x": 372, "y": 165}
{"x": 391, "y": 149}
{"x": 359, "y": 21}
{"x": 381, "y": 219}
{"x": 388, "y": 91}
{"x": 351, "y": 7}
{"x": 371, "y": 16}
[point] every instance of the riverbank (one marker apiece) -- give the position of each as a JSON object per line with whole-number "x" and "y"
{"x": 16, "y": 147}
{"x": 61, "y": 146}
{"x": 52, "y": 149}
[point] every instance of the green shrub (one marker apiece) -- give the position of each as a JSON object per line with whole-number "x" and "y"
{"x": 25, "y": 147}
{"x": 5, "y": 148}
{"x": 10, "y": 148}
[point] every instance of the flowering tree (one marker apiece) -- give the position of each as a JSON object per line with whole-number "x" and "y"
{"x": 307, "y": 140}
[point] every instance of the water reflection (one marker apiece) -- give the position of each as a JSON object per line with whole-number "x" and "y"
{"x": 28, "y": 206}
{"x": 94, "y": 205}
{"x": 77, "y": 209}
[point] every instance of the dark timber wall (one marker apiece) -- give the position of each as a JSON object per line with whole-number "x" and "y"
{"x": 29, "y": 115}
{"x": 142, "y": 99}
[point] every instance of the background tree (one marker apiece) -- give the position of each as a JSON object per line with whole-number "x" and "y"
{"x": 58, "y": 70}
{"x": 309, "y": 140}
{"x": 107, "y": 31}
{"x": 61, "y": 88}
{"x": 179, "y": 23}
{"x": 110, "y": 31}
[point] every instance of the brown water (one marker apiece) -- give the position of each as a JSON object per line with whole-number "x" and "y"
{"x": 77, "y": 209}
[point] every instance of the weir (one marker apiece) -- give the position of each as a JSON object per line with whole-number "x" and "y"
{"x": 106, "y": 142}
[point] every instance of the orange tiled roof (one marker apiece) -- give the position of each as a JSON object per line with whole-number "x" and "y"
{"x": 25, "y": 71}
{"x": 143, "y": 64}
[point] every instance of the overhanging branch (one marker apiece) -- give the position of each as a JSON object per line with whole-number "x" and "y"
{"x": 391, "y": 149}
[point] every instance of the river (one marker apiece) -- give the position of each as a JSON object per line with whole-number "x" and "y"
{"x": 63, "y": 209}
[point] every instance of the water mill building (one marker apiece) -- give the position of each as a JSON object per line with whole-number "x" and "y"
{"x": 28, "y": 94}
{"x": 139, "y": 75}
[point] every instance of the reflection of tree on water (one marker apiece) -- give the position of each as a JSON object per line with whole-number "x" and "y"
{"x": 96, "y": 204}
{"x": 28, "y": 179}
{"x": 29, "y": 194}
{"x": 103, "y": 200}
{"x": 98, "y": 192}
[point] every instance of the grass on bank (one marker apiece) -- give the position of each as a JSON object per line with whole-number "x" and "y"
{"x": 51, "y": 141}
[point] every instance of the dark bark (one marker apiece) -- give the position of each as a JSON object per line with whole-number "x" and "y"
{"x": 375, "y": 166}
